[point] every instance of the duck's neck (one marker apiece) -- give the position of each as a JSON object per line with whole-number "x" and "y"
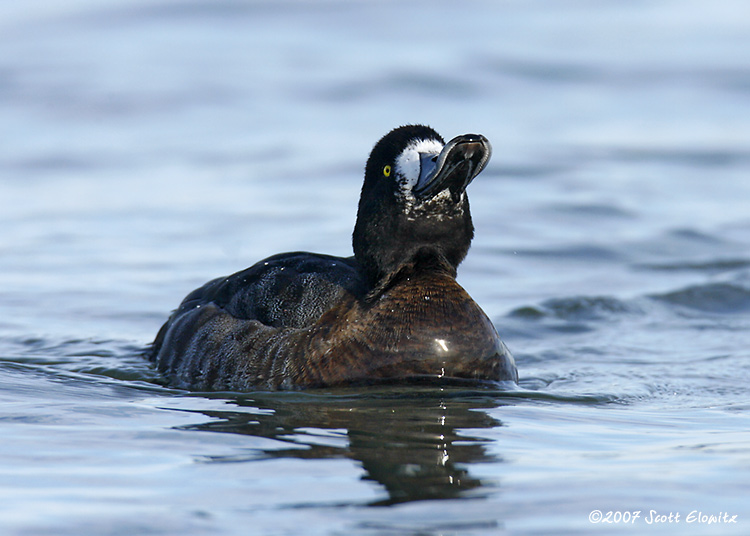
{"x": 423, "y": 262}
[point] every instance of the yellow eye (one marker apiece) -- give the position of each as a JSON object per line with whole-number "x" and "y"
{"x": 387, "y": 171}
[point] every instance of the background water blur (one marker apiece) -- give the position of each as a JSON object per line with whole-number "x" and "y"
{"x": 148, "y": 146}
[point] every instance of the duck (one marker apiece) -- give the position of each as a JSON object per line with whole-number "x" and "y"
{"x": 393, "y": 312}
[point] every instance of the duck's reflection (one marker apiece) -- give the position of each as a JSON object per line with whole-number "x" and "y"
{"x": 416, "y": 442}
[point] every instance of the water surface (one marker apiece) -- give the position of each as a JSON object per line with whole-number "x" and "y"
{"x": 148, "y": 147}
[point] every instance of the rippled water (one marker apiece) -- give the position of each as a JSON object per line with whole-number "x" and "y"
{"x": 150, "y": 146}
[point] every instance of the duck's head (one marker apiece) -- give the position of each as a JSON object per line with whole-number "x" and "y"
{"x": 413, "y": 210}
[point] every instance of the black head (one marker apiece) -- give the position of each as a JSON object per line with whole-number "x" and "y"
{"x": 413, "y": 210}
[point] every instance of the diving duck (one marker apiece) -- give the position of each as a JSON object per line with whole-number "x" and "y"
{"x": 393, "y": 312}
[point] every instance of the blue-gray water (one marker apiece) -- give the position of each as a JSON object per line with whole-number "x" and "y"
{"x": 148, "y": 146}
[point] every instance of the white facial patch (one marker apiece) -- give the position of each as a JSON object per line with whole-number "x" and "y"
{"x": 408, "y": 163}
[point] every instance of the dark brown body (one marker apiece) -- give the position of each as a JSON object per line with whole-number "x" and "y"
{"x": 425, "y": 326}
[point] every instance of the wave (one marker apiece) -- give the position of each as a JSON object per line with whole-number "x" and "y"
{"x": 107, "y": 359}
{"x": 577, "y": 308}
{"x": 710, "y": 267}
{"x": 710, "y": 298}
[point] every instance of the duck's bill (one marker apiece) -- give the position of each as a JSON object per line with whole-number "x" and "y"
{"x": 461, "y": 159}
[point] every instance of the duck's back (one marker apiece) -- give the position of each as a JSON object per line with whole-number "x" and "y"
{"x": 290, "y": 290}
{"x": 227, "y": 316}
